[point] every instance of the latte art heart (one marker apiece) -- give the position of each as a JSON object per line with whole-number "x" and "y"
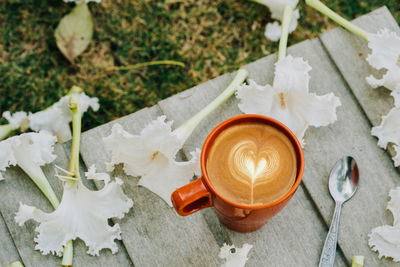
{"x": 247, "y": 164}
{"x": 252, "y": 164}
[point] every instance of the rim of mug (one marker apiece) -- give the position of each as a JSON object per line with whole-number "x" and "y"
{"x": 290, "y": 135}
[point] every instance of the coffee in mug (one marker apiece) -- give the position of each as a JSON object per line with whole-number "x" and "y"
{"x": 252, "y": 164}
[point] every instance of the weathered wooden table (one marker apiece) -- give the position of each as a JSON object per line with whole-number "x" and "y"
{"x": 154, "y": 235}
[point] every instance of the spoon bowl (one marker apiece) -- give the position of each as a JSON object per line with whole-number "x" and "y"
{"x": 343, "y": 179}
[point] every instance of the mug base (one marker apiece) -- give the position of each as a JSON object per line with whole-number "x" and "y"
{"x": 240, "y": 227}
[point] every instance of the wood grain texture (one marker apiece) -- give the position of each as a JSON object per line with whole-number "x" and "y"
{"x": 18, "y": 187}
{"x": 8, "y": 251}
{"x": 349, "y": 53}
{"x": 292, "y": 238}
{"x": 348, "y": 136}
{"x": 152, "y": 232}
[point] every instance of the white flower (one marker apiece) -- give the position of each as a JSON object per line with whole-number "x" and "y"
{"x": 386, "y": 239}
{"x": 56, "y": 118}
{"x": 17, "y": 120}
{"x": 273, "y": 29}
{"x": 29, "y": 151}
{"x": 82, "y": 213}
{"x": 289, "y": 100}
{"x": 385, "y": 54}
{"x": 152, "y": 156}
{"x": 276, "y": 6}
{"x": 234, "y": 257}
{"x": 389, "y": 132}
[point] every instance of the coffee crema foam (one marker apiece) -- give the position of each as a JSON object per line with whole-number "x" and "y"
{"x": 252, "y": 164}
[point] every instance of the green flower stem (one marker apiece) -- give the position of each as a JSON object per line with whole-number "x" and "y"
{"x": 151, "y": 63}
{"x": 5, "y": 131}
{"x": 286, "y": 19}
{"x": 68, "y": 254}
{"x": 318, "y": 5}
{"x": 16, "y": 264}
{"x": 74, "y": 106}
{"x": 184, "y": 131}
{"x": 37, "y": 176}
{"x": 357, "y": 261}
{"x": 76, "y": 130}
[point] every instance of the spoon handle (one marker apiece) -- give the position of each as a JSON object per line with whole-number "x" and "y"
{"x": 329, "y": 251}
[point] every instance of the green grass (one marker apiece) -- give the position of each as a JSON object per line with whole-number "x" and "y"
{"x": 211, "y": 37}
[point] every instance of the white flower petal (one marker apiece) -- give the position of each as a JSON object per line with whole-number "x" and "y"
{"x": 276, "y": 6}
{"x": 6, "y": 154}
{"x": 166, "y": 179}
{"x": 254, "y": 98}
{"x": 52, "y": 120}
{"x": 16, "y": 120}
{"x": 386, "y": 239}
{"x": 234, "y": 257}
{"x": 27, "y": 149}
{"x": 109, "y": 166}
{"x": 396, "y": 98}
{"x": 93, "y": 175}
{"x": 273, "y": 30}
{"x": 128, "y": 149}
{"x": 390, "y": 80}
{"x": 56, "y": 118}
{"x": 152, "y": 156}
{"x": 394, "y": 205}
{"x": 162, "y": 139}
{"x": 291, "y": 74}
{"x": 317, "y": 110}
{"x": 396, "y": 158}
{"x": 25, "y": 213}
{"x": 389, "y": 130}
{"x": 385, "y": 49}
{"x": 82, "y": 213}
{"x": 289, "y": 100}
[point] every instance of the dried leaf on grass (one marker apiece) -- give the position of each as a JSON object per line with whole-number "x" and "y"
{"x": 74, "y": 32}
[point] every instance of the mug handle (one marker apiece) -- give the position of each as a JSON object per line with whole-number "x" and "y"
{"x": 192, "y": 197}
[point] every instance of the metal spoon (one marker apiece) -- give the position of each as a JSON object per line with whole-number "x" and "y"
{"x": 343, "y": 182}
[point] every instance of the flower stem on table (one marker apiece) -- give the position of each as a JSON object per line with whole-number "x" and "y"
{"x": 318, "y": 5}
{"x": 144, "y": 64}
{"x": 76, "y": 130}
{"x": 286, "y": 19}
{"x": 5, "y": 131}
{"x": 184, "y": 131}
{"x": 16, "y": 264}
{"x": 357, "y": 261}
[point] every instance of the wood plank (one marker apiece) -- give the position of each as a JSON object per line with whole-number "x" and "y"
{"x": 152, "y": 232}
{"x": 17, "y": 187}
{"x": 348, "y": 136}
{"x": 349, "y": 52}
{"x": 292, "y": 238}
{"x": 8, "y": 251}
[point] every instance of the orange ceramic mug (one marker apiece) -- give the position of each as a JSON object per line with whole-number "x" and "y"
{"x": 201, "y": 194}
